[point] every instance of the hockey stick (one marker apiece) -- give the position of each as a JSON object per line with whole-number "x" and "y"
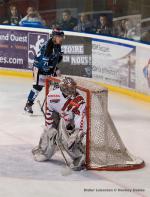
{"x": 59, "y": 146}
{"x": 66, "y": 171}
{"x": 41, "y": 106}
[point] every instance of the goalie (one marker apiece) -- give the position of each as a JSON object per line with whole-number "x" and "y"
{"x": 65, "y": 125}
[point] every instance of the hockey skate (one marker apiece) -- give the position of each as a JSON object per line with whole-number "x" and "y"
{"x": 28, "y": 108}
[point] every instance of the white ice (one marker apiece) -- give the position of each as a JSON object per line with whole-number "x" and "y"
{"x": 21, "y": 176}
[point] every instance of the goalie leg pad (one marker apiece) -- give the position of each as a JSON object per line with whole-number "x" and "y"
{"x": 78, "y": 163}
{"x": 72, "y": 142}
{"x": 77, "y": 154}
{"x": 79, "y": 157}
{"x": 47, "y": 145}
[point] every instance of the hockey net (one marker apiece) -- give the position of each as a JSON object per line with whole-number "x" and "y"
{"x": 104, "y": 147}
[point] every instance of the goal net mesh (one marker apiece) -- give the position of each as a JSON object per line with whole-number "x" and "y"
{"x": 104, "y": 147}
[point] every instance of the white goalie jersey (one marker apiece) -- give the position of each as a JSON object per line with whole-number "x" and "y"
{"x": 71, "y": 109}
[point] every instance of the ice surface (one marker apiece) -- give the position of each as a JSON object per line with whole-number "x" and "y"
{"x": 21, "y": 176}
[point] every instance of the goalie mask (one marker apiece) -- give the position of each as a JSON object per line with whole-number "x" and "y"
{"x": 68, "y": 86}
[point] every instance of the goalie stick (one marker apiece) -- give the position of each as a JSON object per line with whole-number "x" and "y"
{"x": 42, "y": 106}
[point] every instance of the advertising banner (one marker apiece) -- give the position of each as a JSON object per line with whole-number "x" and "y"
{"x": 17, "y": 47}
{"x": 114, "y": 63}
{"x": 35, "y": 42}
{"x": 13, "y": 49}
{"x": 77, "y": 56}
{"x": 111, "y": 62}
{"x": 143, "y": 70}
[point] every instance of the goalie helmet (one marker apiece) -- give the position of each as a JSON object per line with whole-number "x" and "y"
{"x": 68, "y": 86}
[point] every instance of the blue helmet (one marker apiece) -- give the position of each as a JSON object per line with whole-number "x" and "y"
{"x": 57, "y": 32}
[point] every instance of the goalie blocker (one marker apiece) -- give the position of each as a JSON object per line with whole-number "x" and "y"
{"x": 65, "y": 125}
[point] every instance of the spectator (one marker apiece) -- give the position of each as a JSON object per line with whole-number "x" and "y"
{"x": 133, "y": 30}
{"x": 119, "y": 28}
{"x": 84, "y": 25}
{"x": 45, "y": 23}
{"x": 146, "y": 36}
{"x": 13, "y": 17}
{"x": 32, "y": 17}
{"x": 123, "y": 29}
{"x": 29, "y": 11}
{"x": 68, "y": 22}
{"x": 127, "y": 28}
{"x": 103, "y": 26}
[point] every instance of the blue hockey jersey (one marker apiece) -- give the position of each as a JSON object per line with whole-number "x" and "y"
{"x": 48, "y": 57}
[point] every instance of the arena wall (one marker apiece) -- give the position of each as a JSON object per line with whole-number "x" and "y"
{"x": 118, "y": 64}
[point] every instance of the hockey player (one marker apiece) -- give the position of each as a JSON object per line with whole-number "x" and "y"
{"x": 65, "y": 124}
{"x": 45, "y": 64}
